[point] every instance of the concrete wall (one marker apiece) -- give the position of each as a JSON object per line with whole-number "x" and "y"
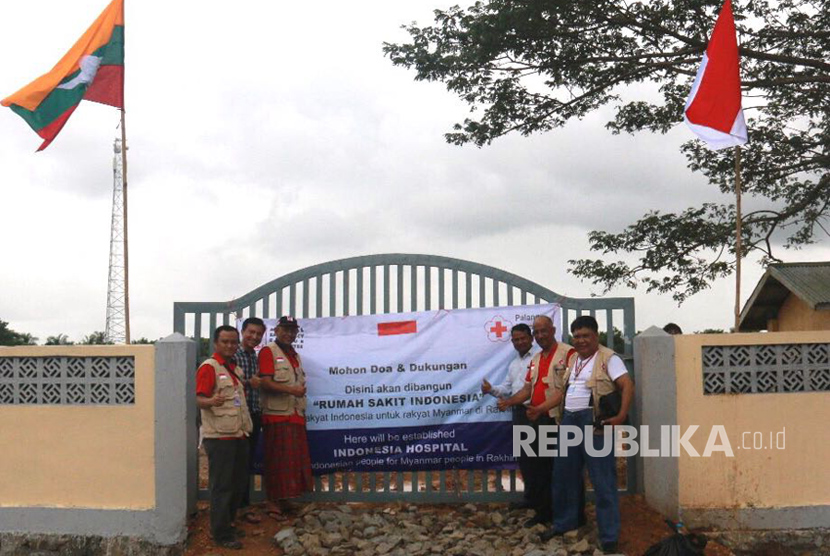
{"x": 760, "y": 486}
{"x": 794, "y": 314}
{"x": 104, "y": 470}
{"x": 81, "y": 456}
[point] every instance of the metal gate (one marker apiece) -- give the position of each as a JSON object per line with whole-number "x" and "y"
{"x": 397, "y": 283}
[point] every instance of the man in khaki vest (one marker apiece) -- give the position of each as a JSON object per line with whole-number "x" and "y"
{"x": 287, "y": 465}
{"x": 543, "y": 375}
{"x": 226, "y": 425}
{"x": 596, "y": 372}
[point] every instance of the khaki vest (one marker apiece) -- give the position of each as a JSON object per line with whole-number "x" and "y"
{"x": 277, "y": 403}
{"x": 599, "y": 383}
{"x": 553, "y": 380}
{"x": 228, "y": 419}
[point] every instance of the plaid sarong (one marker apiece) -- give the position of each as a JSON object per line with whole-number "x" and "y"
{"x": 287, "y": 469}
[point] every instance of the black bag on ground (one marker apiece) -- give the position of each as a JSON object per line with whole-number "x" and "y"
{"x": 691, "y": 544}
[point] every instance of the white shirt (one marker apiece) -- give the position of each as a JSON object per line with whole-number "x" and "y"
{"x": 579, "y": 395}
{"x": 516, "y": 373}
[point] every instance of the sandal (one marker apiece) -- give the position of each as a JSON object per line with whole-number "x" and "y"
{"x": 276, "y": 515}
{"x": 251, "y": 517}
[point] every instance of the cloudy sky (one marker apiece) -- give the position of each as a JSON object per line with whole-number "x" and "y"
{"x": 271, "y": 136}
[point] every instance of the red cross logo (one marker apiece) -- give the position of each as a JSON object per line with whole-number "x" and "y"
{"x": 496, "y": 328}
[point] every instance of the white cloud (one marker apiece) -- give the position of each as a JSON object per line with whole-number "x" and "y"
{"x": 268, "y": 137}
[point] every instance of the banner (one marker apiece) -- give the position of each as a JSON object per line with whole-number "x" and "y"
{"x": 402, "y": 392}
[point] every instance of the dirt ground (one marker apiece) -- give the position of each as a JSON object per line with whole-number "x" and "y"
{"x": 641, "y": 528}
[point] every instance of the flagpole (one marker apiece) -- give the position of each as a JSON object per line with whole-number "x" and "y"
{"x": 124, "y": 189}
{"x": 737, "y": 237}
{"x": 126, "y": 252}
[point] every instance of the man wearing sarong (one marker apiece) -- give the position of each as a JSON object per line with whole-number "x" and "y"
{"x": 287, "y": 465}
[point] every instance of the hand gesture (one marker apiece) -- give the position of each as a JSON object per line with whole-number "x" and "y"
{"x": 616, "y": 420}
{"x": 217, "y": 400}
{"x": 534, "y": 412}
{"x": 502, "y": 405}
{"x": 254, "y": 382}
{"x": 299, "y": 390}
{"x": 485, "y": 387}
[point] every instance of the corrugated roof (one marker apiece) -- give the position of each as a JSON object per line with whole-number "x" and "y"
{"x": 810, "y": 282}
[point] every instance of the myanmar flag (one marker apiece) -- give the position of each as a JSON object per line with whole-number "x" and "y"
{"x": 93, "y": 69}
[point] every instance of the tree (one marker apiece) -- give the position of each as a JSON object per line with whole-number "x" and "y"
{"x": 96, "y": 339}
{"x": 205, "y": 348}
{"x": 59, "y": 340}
{"x": 143, "y": 340}
{"x": 9, "y": 337}
{"x": 532, "y": 66}
{"x": 619, "y": 341}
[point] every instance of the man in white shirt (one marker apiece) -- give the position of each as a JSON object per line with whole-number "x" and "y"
{"x": 522, "y": 339}
{"x": 595, "y": 372}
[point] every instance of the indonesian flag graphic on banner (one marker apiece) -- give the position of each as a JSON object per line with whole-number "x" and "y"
{"x": 713, "y": 109}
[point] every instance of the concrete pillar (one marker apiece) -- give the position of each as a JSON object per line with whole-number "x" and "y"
{"x": 176, "y": 484}
{"x": 656, "y": 402}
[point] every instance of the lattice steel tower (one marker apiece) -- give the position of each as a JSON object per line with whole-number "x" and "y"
{"x": 117, "y": 330}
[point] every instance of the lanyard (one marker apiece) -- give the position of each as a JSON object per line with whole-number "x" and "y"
{"x": 578, "y": 368}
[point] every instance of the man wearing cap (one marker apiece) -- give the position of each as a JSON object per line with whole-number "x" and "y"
{"x": 226, "y": 425}
{"x": 287, "y": 469}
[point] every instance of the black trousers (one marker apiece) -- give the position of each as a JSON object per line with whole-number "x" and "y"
{"x": 539, "y": 482}
{"x": 256, "y": 419}
{"x": 525, "y": 467}
{"x": 227, "y": 482}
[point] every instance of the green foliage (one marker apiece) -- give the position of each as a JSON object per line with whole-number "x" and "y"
{"x": 9, "y": 337}
{"x": 205, "y": 348}
{"x": 143, "y": 340}
{"x": 533, "y": 66}
{"x": 96, "y": 339}
{"x": 711, "y": 331}
{"x": 58, "y": 340}
{"x": 619, "y": 341}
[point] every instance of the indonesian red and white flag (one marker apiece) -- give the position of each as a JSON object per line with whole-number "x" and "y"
{"x": 713, "y": 109}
